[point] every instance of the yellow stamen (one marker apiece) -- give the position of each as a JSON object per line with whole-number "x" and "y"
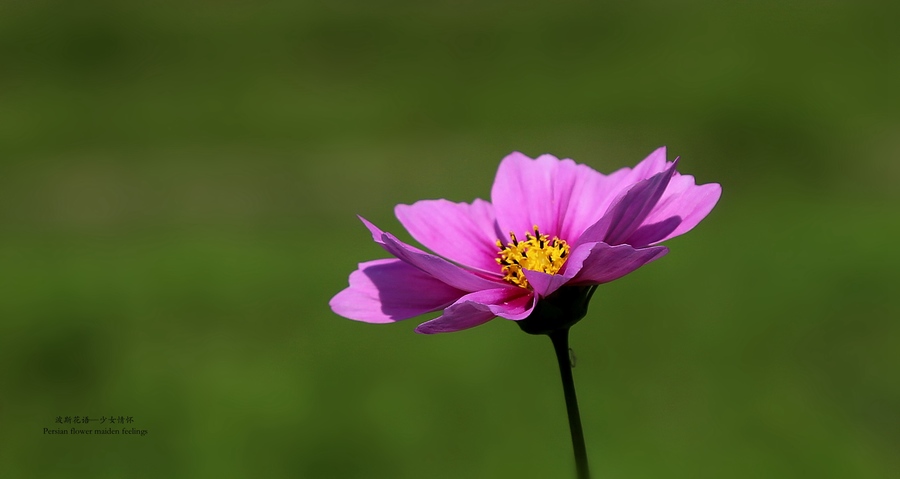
{"x": 536, "y": 253}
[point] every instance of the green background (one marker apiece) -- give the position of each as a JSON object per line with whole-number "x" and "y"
{"x": 178, "y": 190}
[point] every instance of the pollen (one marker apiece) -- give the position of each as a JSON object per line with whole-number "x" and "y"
{"x": 537, "y": 253}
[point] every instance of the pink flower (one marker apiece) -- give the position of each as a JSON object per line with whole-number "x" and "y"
{"x": 553, "y": 225}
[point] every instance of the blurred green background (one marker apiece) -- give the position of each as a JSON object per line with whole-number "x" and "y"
{"x": 178, "y": 190}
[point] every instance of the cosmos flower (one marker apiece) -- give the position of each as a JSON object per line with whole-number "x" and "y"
{"x": 552, "y": 226}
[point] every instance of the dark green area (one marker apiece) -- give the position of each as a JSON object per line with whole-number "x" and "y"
{"x": 178, "y": 190}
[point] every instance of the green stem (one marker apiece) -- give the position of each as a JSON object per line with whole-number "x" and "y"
{"x": 560, "y": 339}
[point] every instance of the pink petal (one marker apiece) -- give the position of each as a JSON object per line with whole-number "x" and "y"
{"x": 683, "y": 199}
{"x": 456, "y": 318}
{"x": 650, "y": 233}
{"x": 617, "y": 183}
{"x": 545, "y": 284}
{"x": 435, "y": 266}
{"x": 480, "y": 307}
{"x": 654, "y": 163}
{"x": 629, "y": 211}
{"x": 606, "y": 263}
{"x": 560, "y": 196}
{"x": 388, "y": 290}
{"x": 462, "y": 232}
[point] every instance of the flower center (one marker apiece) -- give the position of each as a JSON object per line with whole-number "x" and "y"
{"x": 537, "y": 253}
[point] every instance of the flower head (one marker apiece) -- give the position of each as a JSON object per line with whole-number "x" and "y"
{"x": 553, "y": 228}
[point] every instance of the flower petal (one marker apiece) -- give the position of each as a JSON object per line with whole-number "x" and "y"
{"x": 389, "y": 290}
{"x": 462, "y": 232}
{"x": 456, "y": 318}
{"x": 629, "y": 211}
{"x": 560, "y": 196}
{"x": 606, "y": 263}
{"x": 523, "y": 194}
{"x": 480, "y": 307}
{"x": 545, "y": 284}
{"x": 595, "y": 199}
{"x": 435, "y": 266}
{"x": 684, "y": 200}
{"x": 654, "y": 163}
{"x": 653, "y": 232}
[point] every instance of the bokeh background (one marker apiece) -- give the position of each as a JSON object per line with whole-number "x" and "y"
{"x": 178, "y": 188}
